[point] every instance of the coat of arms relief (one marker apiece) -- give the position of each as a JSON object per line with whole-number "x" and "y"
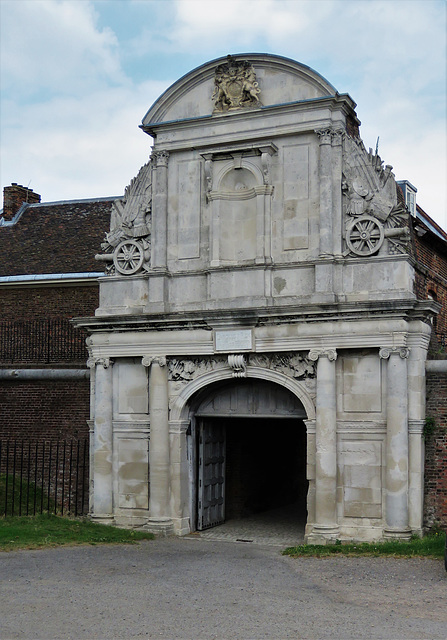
{"x": 235, "y": 86}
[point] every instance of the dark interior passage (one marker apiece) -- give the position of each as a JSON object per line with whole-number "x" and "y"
{"x": 265, "y": 465}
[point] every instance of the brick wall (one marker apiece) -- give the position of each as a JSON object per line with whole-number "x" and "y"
{"x": 49, "y": 302}
{"x": 431, "y": 277}
{"x": 435, "y": 507}
{"x": 48, "y": 410}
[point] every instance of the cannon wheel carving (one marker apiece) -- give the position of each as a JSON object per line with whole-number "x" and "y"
{"x": 365, "y": 236}
{"x": 128, "y": 257}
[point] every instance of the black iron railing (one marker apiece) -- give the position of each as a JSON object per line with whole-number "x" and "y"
{"x": 44, "y": 476}
{"x": 41, "y": 341}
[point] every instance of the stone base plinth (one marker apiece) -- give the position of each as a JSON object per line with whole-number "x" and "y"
{"x": 102, "y": 518}
{"x": 397, "y": 534}
{"x": 160, "y": 526}
{"x": 323, "y": 534}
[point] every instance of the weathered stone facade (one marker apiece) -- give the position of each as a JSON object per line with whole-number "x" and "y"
{"x": 258, "y": 269}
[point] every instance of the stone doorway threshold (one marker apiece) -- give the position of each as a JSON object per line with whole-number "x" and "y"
{"x": 281, "y": 527}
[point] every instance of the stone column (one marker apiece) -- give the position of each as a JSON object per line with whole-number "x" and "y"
{"x": 102, "y": 441}
{"x": 326, "y": 527}
{"x": 325, "y": 170}
{"x": 159, "y": 459}
{"x": 396, "y": 443}
{"x": 160, "y": 211}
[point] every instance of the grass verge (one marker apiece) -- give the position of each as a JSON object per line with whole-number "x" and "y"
{"x": 46, "y": 530}
{"x": 431, "y": 546}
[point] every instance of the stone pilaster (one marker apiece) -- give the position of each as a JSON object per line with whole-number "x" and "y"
{"x": 160, "y": 211}
{"x": 326, "y": 527}
{"x": 160, "y": 520}
{"x": 416, "y": 449}
{"x": 179, "y": 477}
{"x": 397, "y": 520}
{"x": 102, "y": 464}
{"x": 325, "y": 171}
{"x": 337, "y": 210}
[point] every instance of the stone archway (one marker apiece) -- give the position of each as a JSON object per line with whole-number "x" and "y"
{"x": 248, "y": 452}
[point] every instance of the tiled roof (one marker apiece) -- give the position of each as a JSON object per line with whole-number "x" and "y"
{"x": 54, "y": 237}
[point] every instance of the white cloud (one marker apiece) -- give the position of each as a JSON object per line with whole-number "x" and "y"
{"x": 55, "y": 46}
{"x": 72, "y": 147}
{"x": 80, "y": 137}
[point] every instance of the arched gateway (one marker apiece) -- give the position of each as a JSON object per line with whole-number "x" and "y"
{"x": 258, "y": 302}
{"x": 238, "y": 464}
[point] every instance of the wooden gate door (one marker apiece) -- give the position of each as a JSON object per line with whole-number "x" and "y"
{"x": 211, "y": 489}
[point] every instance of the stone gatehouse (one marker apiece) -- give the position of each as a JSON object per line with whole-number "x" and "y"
{"x": 258, "y": 339}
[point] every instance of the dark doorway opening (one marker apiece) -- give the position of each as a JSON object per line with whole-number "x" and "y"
{"x": 265, "y": 465}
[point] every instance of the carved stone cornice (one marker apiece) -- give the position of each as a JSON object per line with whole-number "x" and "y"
{"x": 330, "y": 354}
{"x": 386, "y": 352}
{"x": 104, "y": 362}
{"x": 147, "y": 361}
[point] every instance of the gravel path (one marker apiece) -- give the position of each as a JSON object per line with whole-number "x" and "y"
{"x": 201, "y": 589}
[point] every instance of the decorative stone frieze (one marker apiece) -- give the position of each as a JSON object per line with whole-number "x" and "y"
{"x": 293, "y": 365}
{"x": 235, "y": 86}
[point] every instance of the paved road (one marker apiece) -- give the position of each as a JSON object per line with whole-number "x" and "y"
{"x": 200, "y": 589}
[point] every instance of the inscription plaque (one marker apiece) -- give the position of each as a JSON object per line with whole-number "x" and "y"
{"x": 239, "y": 340}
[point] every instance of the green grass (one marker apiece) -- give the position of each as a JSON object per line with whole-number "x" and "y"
{"x": 27, "y": 497}
{"x": 45, "y": 530}
{"x": 431, "y": 546}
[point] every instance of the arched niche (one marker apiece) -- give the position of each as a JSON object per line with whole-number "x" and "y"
{"x": 240, "y": 212}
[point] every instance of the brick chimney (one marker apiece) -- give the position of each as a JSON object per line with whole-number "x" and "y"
{"x": 13, "y": 198}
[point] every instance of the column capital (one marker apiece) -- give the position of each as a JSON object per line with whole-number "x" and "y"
{"x": 147, "y": 361}
{"x": 330, "y": 354}
{"x": 337, "y": 137}
{"x": 160, "y": 158}
{"x": 105, "y": 362}
{"x": 386, "y": 352}
{"x": 324, "y": 135}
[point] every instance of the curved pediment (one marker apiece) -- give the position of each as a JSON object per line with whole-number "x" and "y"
{"x": 236, "y": 83}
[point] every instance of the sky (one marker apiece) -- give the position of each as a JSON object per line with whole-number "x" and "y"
{"x": 78, "y": 76}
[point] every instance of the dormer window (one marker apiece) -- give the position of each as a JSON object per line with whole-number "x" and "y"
{"x": 410, "y": 196}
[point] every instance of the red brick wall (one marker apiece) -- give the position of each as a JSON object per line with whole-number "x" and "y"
{"x": 48, "y": 302}
{"x": 431, "y": 277}
{"x": 48, "y": 410}
{"x": 435, "y": 508}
